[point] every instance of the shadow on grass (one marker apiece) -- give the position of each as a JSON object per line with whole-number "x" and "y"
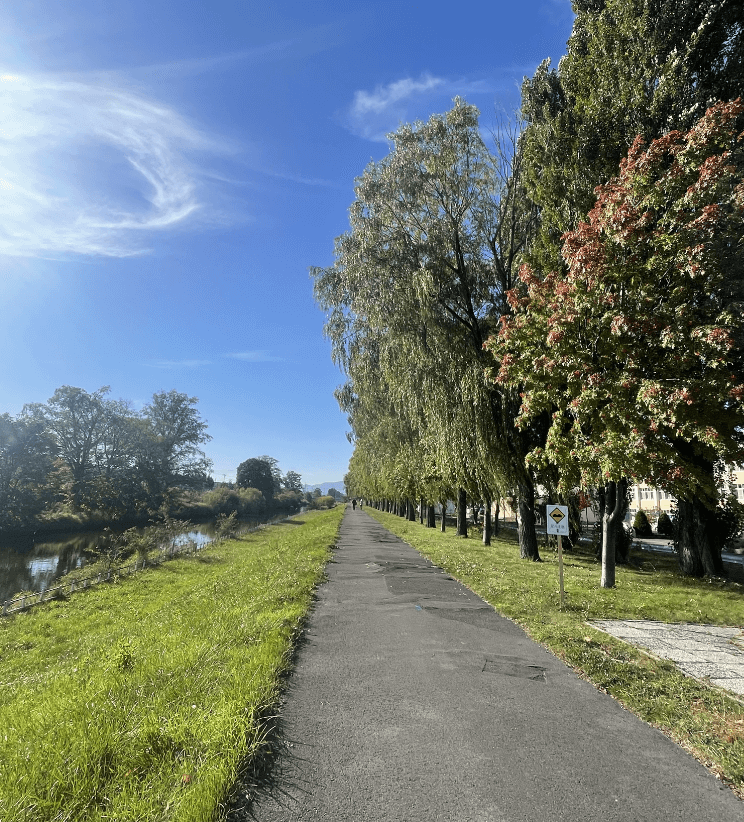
{"x": 209, "y": 559}
{"x": 272, "y": 775}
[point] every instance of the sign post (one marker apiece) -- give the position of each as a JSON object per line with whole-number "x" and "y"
{"x": 557, "y": 523}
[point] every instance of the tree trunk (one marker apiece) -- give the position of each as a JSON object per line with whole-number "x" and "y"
{"x": 443, "y": 526}
{"x": 496, "y": 517}
{"x": 431, "y": 520}
{"x": 421, "y": 511}
{"x": 411, "y": 511}
{"x": 601, "y": 513}
{"x": 614, "y": 510}
{"x": 622, "y": 542}
{"x": 526, "y": 522}
{"x": 699, "y": 555}
{"x": 462, "y": 514}
{"x": 487, "y": 523}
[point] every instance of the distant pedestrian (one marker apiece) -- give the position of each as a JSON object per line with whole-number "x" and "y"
{"x": 353, "y": 504}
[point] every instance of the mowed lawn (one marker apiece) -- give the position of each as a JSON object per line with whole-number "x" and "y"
{"x": 142, "y": 699}
{"x": 706, "y": 721}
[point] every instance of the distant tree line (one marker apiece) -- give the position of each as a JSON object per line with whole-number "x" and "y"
{"x": 82, "y": 457}
{"x": 564, "y": 309}
{"x": 83, "y": 454}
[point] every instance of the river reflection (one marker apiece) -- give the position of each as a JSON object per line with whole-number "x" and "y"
{"x": 28, "y": 564}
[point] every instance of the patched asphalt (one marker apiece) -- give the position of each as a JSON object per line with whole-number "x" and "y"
{"x": 413, "y": 700}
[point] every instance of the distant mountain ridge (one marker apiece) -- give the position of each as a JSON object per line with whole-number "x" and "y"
{"x": 324, "y": 486}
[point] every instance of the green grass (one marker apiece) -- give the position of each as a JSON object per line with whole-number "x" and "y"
{"x": 705, "y": 720}
{"x": 141, "y": 700}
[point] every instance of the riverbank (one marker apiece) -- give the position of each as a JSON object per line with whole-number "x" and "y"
{"x": 35, "y": 563}
{"x": 154, "y": 710}
{"x": 69, "y": 523}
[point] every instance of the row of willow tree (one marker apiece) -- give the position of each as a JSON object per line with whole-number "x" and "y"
{"x": 561, "y": 305}
{"x": 82, "y": 454}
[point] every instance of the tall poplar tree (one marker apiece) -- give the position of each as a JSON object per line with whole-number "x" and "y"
{"x": 632, "y": 67}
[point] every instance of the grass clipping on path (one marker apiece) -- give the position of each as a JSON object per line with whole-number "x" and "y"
{"x": 704, "y": 720}
{"x": 141, "y": 700}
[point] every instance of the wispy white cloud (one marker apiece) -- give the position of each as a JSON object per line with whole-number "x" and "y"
{"x": 305, "y": 181}
{"x": 255, "y": 356}
{"x": 374, "y": 114}
{"x": 179, "y": 363}
{"x": 302, "y": 43}
{"x": 383, "y": 97}
{"x": 87, "y": 168}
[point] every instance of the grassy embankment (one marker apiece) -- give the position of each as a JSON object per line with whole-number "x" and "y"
{"x": 141, "y": 700}
{"x": 704, "y": 720}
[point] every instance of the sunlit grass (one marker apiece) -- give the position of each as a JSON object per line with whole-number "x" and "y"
{"x": 705, "y": 720}
{"x": 142, "y": 699}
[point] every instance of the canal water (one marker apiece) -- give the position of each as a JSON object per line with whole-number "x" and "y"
{"x": 34, "y": 563}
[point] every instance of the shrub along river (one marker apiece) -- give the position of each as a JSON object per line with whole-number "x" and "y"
{"x": 33, "y": 563}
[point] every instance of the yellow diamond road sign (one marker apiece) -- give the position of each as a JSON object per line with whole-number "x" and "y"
{"x": 557, "y": 520}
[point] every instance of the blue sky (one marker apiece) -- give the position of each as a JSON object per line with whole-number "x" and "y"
{"x": 170, "y": 169}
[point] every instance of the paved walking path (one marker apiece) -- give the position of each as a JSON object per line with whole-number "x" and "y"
{"x": 707, "y": 652}
{"x": 413, "y": 700}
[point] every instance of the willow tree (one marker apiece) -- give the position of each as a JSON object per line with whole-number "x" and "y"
{"x": 436, "y": 231}
{"x": 385, "y": 464}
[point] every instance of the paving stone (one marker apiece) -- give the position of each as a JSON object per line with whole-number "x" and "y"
{"x": 711, "y": 652}
{"x": 719, "y": 657}
{"x": 731, "y": 683}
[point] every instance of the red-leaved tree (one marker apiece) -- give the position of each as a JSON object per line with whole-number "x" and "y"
{"x": 636, "y": 347}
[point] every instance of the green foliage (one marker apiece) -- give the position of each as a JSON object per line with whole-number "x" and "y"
{"x": 633, "y": 67}
{"x": 287, "y": 500}
{"x": 292, "y": 481}
{"x": 641, "y": 525}
{"x": 418, "y": 282}
{"x": 323, "y": 502}
{"x": 635, "y": 349}
{"x": 111, "y": 548}
{"x": 248, "y": 503}
{"x": 84, "y": 454}
{"x": 257, "y": 473}
{"x": 664, "y": 525}
{"x": 27, "y": 466}
{"x": 227, "y": 526}
{"x": 728, "y": 521}
{"x": 173, "y": 431}
{"x": 142, "y": 700}
{"x": 140, "y": 542}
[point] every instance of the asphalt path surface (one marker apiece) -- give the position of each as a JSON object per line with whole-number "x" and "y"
{"x": 413, "y": 700}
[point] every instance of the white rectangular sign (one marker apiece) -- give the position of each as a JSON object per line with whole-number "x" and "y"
{"x": 557, "y": 519}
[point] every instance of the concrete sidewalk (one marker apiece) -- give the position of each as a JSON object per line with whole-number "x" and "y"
{"x": 413, "y": 700}
{"x": 710, "y": 653}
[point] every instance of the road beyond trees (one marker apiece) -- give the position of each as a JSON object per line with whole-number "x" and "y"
{"x": 413, "y": 700}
